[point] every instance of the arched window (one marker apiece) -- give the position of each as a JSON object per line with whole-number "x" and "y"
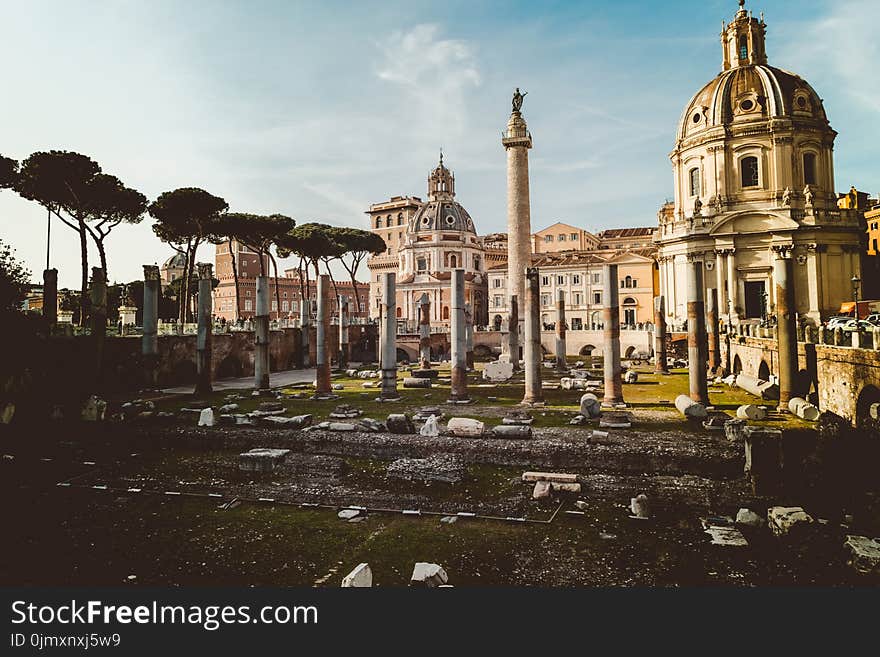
{"x": 743, "y": 48}
{"x": 477, "y": 263}
{"x": 378, "y": 222}
{"x": 628, "y": 281}
{"x": 445, "y": 312}
{"x": 400, "y": 219}
{"x": 809, "y": 168}
{"x": 749, "y": 171}
{"x": 453, "y": 261}
{"x": 399, "y": 312}
{"x": 388, "y": 221}
{"x": 629, "y": 301}
{"x": 694, "y": 179}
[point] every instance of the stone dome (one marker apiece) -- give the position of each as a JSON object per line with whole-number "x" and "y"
{"x": 751, "y": 93}
{"x": 442, "y": 211}
{"x": 442, "y": 215}
{"x": 177, "y": 261}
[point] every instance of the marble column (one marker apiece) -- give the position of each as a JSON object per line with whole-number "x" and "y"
{"x": 388, "y": 337}
{"x": 322, "y": 360}
{"x": 611, "y": 336}
{"x": 714, "y": 342}
{"x": 697, "y": 338}
{"x": 660, "y": 356}
{"x": 561, "y": 364}
{"x": 425, "y": 331}
{"x": 98, "y": 319}
{"x": 261, "y": 335}
{"x": 342, "y": 358}
{"x": 458, "y": 338}
{"x": 732, "y": 286}
{"x": 786, "y": 328}
{"x": 532, "y": 353}
{"x": 469, "y": 335}
{"x": 150, "y": 338}
{"x": 205, "y": 323}
{"x": 50, "y": 297}
{"x": 517, "y": 141}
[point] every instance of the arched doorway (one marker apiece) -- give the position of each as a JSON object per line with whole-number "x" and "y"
{"x": 629, "y": 352}
{"x": 587, "y": 350}
{"x": 764, "y": 371}
{"x": 869, "y": 396}
{"x": 737, "y": 365}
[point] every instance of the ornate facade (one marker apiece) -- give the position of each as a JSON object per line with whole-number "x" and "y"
{"x": 753, "y": 168}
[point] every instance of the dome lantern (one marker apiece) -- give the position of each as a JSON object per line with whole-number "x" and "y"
{"x": 743, "y": 39}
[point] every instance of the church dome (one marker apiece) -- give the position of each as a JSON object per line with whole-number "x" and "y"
{"x": 748, "y": 90}
{"x": 442, "y": 211}
{"x": 177, "y": 261}
{"x": 757, "y": 92}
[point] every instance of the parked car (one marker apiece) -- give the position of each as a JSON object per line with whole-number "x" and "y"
{"x": 834, "y": 322}
{"x": 857, "y": 325}
{"x": 873, "y": 318}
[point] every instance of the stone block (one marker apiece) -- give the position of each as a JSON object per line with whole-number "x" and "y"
{"x": 803, "y": 409}
{"x": 735, "y": 430}
{"x": 414, "y": 382}
{"x": 360, "y": 577}
{"x": 751, "y": 412}
{"x": 591, "y": 407}
{"x": 515, "y": 431}
{"x": 615, "y": 420}
{"x": 498, "y": 371}
{"x": 400, "y": 423}
{"x": 639, "y": 506}
{"x": 542, "y": 490}
{"x": 206, "y": 418}
{"x": 864, "y": 554}
{"x": 557, "y": 477}
{"x": 463, "y": 426}
{"x": 261, "y": 459}
{"x": 429, "y": 575}
{"x": 748, "y": 518}
{"x": 784, "y": 519}
{"x": 691, "y": 409}
{"x": 565, "y": 488}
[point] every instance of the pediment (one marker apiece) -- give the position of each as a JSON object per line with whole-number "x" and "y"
{"x": 752, "y": 223}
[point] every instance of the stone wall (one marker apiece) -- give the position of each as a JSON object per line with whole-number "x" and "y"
{"x": 843, "y": 380}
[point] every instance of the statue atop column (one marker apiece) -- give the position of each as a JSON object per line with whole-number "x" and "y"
{"x": 518, "y": 100}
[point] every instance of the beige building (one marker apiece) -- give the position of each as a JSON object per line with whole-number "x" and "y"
{"x": 754, "y": 180}
{"x": 438, "y": 235}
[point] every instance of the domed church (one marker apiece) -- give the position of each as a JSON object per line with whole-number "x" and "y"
{"x": 439, "y": 236}
{"x": 754, "y": 181}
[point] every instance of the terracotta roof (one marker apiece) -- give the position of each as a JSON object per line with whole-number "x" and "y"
{"x": 617, "y": 233}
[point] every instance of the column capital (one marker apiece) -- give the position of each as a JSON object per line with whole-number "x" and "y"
{"x": 205, "y": 270}
{"x": 151, "y": 272}
{"x": 782, "y": 251}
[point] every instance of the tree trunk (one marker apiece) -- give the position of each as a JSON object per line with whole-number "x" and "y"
{"x": 277, "y": 291}
{"x": 84, "y": 303}
{"x": 235, "y": 279}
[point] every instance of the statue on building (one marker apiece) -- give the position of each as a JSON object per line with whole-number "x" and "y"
{"x": 786, "y": 197}
{"x": 716, "y": 203}
{"x": 698, "y": 207}
{"x": 518, "y": 100}
{"x": 808, "y": 196}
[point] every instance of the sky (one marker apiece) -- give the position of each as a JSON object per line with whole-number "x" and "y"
{"x": 318, "y": 109}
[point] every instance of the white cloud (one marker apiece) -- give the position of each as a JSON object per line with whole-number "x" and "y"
{"x": 435, "y": 75}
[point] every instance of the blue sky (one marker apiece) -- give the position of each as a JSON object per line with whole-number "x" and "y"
{"x": 318, "y": 109}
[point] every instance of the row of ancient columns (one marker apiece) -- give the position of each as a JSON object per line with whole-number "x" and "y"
{"x": 704, "y": 348}
{"x": 150, "y": 342}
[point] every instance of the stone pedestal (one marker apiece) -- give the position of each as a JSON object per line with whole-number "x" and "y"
{"x": 261, "y": 335}
{"x": 611, "y": 336}
{"x": 533, "y": 355}
{"x": 150, "y": 338}
{"x": 205, "y": 321}
{"x": 322, "y": 360}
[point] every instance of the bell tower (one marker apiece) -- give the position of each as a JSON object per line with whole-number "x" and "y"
{"x": 742, "y": 40}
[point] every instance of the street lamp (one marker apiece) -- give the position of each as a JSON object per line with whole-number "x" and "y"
{"x": 856, "y": 283}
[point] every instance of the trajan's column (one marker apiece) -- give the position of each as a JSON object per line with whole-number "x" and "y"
{"x": 517, "y": 141}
